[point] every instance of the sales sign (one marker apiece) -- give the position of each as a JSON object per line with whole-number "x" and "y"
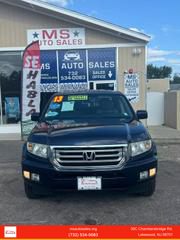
{"x": 131, "y": 87}
{"x": 57, "y": 38}
{"x": 102, "y": 64}
{"x": 49, "y": 74}
{"x": 72, "y": 66}
{"x": 72, "y": 69}
{"x": 49, "y": 67}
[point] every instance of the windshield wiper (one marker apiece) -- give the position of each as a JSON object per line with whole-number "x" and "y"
{"x": 47, "y": 122}
{"x": 125, "y": 120}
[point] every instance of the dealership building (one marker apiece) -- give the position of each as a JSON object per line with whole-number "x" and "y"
{"x": 77, "y": 52}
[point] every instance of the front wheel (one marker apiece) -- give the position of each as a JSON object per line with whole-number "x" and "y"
{"x": 30, "y": 192}
{"x": 148, "y": 189}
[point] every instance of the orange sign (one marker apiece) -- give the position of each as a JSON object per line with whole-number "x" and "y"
{"x": 58, "y": 99}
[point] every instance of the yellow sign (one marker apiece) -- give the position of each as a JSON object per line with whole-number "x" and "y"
{"x": 77, "y": 97}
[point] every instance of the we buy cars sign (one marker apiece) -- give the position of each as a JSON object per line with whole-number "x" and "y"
{"x": 57, "y": 38}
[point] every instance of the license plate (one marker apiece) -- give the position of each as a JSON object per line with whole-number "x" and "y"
{"x": 89, "y": 183}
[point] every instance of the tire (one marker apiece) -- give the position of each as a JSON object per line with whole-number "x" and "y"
{"x": 29, "y": 192}
{"x": 148, "y": 189}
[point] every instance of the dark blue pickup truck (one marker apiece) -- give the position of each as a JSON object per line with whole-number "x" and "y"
{"x": 89, "y": 140}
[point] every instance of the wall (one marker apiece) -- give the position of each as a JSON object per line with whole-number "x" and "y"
{"x": 15, "y": 21}
{"x": 171, "y": 109}
{"x": 126, "y": 61}
{"x": 155, "y": 108}
{"x": 174, "y": 87}
{"x": 178, "y": 110}
{"x": 158, "y": 85}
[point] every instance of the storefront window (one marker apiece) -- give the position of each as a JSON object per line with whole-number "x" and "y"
{"x": 10, "y": 87}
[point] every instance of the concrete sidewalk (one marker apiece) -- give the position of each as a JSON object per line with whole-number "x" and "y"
{"x": 10, "y": 132}
{"x": 163, "y": 134}
{"x": 10, "y": 136}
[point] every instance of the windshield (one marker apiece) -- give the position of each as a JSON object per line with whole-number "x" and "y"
{"x": 89, "y": 107}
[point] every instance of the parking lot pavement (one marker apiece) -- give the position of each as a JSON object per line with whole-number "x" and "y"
{"x": 86, "y": 208}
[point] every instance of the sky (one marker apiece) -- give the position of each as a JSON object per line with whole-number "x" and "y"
{"x": 158, "y": 18}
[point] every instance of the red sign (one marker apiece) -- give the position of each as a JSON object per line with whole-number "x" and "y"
{"x": 95, "y": 232}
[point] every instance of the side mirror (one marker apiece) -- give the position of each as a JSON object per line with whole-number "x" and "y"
{"x": 35, "y": 117}
{"x": 142, "y": 114}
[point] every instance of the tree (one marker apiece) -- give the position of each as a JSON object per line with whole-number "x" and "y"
{"x": 176, "y": 79}
{"x": 158, "y": 72}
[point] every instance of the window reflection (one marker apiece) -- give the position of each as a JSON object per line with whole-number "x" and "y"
{"x": 10, "y": 87}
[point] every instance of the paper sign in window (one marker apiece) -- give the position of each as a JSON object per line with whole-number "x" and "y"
{"x": 67, "y": 106}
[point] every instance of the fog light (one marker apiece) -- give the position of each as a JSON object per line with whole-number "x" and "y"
{"x": 35, "y": 177}
{"x": 152, "y": 172}
{"x": 26, "y": 174}
{"x": 143, "y": 175}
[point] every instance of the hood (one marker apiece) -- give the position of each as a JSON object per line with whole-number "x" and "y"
{"x": 86, "y": 134}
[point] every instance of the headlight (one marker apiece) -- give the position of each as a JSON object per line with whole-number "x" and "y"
{"x": 37, "y": 149}
{"x": 140, "y": 147}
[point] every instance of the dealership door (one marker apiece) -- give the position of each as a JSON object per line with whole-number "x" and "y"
{"x": 105, "y": 85}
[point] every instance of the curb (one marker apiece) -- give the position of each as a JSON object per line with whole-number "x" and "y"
{"x": 166, "y": 141}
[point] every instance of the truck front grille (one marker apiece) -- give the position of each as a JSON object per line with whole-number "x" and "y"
{"x": 89, "y": 156}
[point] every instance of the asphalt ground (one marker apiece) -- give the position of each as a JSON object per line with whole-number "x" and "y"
{"x": 86, "y": 208}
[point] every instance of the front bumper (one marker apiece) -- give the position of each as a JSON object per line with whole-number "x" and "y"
{"x": 66, "y": 179}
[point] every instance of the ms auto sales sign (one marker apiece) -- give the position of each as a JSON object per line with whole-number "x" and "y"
{"x": 131, "y": 87}
{"x": 57, "y": 38}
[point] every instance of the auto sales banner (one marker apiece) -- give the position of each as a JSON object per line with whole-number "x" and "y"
{"x": 57, "y": 38}
{"x": 67, "y": 69}
{"x": 49, "y": 71}
{"x": 31, "y": 75}
{"x": 72, "y": 69}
